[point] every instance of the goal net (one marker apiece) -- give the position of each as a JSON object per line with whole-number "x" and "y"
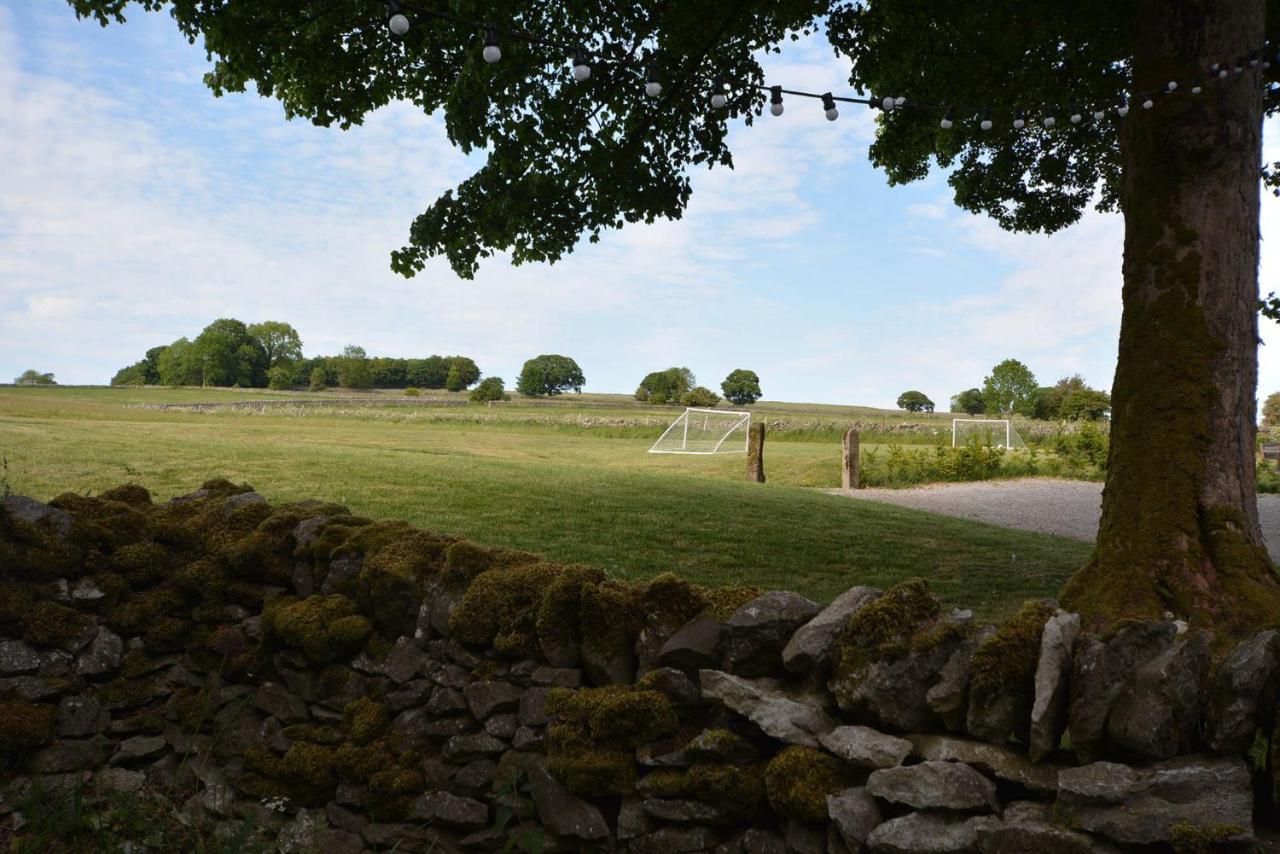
{"x": 989, "y": 432}
{"x": 705, "y": 431}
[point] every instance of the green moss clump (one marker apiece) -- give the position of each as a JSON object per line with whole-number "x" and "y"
{"x": 105, "y": 525}
{"x": 885, "y": 628}
{"x": 25, "y": 726}
{"x": 611, "y": 619}
{"x": 666, "y": 602}
{"x": 167, "y": 634}
{"x": 220, "y": 487}
{"x": 326, "y": 628}
{"x": 737, "y": 790}
{"x": 312, "y": 766}
{"x": 595, "y": 773}
{"x": 357, "y": 763}
{"x": 315, "y": 734}
{"x": 142, "y": 563}
{"x": 500, "y": 609}
{"x": 393, "y": 581}
{"x": 137, "y": 612}
{"x": 365, "y": 720}
{"x": 463, "y": 561}
{"x": 130, "y": 493}
{"x": 798, "y": 781}
{"x": 724, "y": 602}
{"x": 391, "y": 792}
{"x": 49, "y": 624}
{"x": 1007, "y": 660}
{"x": 15, "y": 604}
{"x": 1187, "y": 838}
{"x": 618, "y": 716}
{"x": 559, "y": 619}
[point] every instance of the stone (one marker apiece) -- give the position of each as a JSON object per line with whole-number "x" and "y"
{"x": 675, "y": 839}
{"x": 465, "y": 748}
{"x": 306, "y": 532}
{"x": 415, "y": 692}
{"x": 81, "y": 716}
{"x": 69, "y": 754}
{"x": 895, "y": 692}
{"x": 30, "y": 688}
{"x": 1248, "y": 679}
{"x": 402, "y": 837}
{"x": 557, "y": 677}
{"x": 478, "y": 774}
{"x": 686, "y": 811}
{"x": 601, "y": 668}
{"x": 32, "y": 512}
{"x": 1157, "y": 713}
{"x": 528, "y": 738}
{"x": 1144, "y": 805}
{"x": 693, "y": 646}
{"x": 489, "y": 698}
{"x": 757, "y": 841}
{"x": 811, "y": 647}
{"x": 451, "y": 810}
{"x": 1049, "y": 708}
{"x": 804, "y": 838}
{"x": 1001, "y": 762}
{"x": 17, "y": 657}
{"x": 342, "y": 574}
{"x": 234, "y": 502}
{"x": 501, "y": 726}
{"x": 633, "y": 821}
{"x": 793, "y": 718}
{"x": 139, "y": 747}
{"x": 343, "y": 818}
{"x": 86, "y": 590}
{"x": 445, "y": 701}
{"x": 680, "y": 689}
{"x": 712, "y": 746}
{"x": 928, "y": 833}
{"x": 934, "y": 785}
{"x": 560, "y": 812}
{"x": 277, "y": 701}
{"x": 752, "y": 640}
{"x": 120, "y": 780}
{"x": 1029, "y": 826}
{"x": 1099, "y": 673}
{"x": 103, "y": 654}
{"x": 404, "y": 662}
{"x": 855, "y": 813}
{"x": 866, "y": 747}
{"x": 533, "y": 707}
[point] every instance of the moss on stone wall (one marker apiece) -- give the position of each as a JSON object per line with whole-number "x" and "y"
{"x": 51, "y": 624}
{"x": 1007, "y": 660}
{"x": 799, "y": 779}
{"x": 25, "y": 726}
{"x": 326, "y": 628}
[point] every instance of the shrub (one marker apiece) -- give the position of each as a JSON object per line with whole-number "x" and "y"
{"x": 412, "y": 392}
{"x": 319, "y": 380}
{"x": 700, "y": 396}
{"x": 490, "y": 388}
{"x": 798, "y": 781}
{"x": 281, "y": 377}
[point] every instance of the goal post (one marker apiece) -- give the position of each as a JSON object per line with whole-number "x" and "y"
{"x": 705, "y": 431}
{"x": 993, "y": 432}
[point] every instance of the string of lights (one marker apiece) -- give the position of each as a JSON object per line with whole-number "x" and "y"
{"x": 720, "y": 90}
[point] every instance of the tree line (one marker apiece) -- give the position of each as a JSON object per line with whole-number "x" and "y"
{"x": 1011, "y": 389}
{"x": 230, "y": 353}
{"x": 679, "y": 386}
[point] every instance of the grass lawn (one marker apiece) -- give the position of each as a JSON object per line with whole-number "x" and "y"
{"x": 573, "y": 496}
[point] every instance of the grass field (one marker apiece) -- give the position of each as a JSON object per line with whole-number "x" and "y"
{"x": 562, "y": 479}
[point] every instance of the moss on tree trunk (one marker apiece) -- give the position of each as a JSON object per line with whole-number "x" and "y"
{"x": 1179, "y": 528}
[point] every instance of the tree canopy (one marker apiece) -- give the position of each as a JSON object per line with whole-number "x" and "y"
{"x": 915, "y": 401}
{"x": 1011, "y": 387}
{"x": 549, "y": 374}
{"x": 970, "y": 401}
{"x": 741, "y": 387}
{"x": 278, "y": 340}
{"x": 33, "y": 377}
{"x": 667, "y": 386}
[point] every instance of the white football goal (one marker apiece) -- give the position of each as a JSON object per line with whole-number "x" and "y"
{"x": 705, "y": 431}
{"x": 992, "y": 432}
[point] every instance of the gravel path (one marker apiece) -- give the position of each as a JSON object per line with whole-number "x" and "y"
{"x": 1068, "y": 508}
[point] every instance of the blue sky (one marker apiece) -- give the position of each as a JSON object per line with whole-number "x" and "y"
{"x": 135, "y": 207}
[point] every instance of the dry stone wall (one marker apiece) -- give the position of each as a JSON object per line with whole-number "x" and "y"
{"x": 348, "y": 685}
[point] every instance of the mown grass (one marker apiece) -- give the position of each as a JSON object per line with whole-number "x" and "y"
{"x": 575, "y": 497}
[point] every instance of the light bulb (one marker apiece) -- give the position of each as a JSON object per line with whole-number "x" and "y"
{"x": 775, "y": 100}
{"x": 899, "y": 101}
{"x": 1196, "y": 90}
{"x": 399, "y": 24}
{"x": 948, "y": 119}
{"x": 718, "y": 100}
{"x": 1050, "y": 121}
{"x": 888, "y": 103}
{"x": 986, "y": 122}
{"x": 1099, "y": 115}
{"x": 653, "y": 88}
{"x": 776, "y": 109}
{"x": 1148, "y": 104}
{"x": 1076, "y": 118}
{"x": 492, "y": 53}
{"x": 1123, "y": 110}
{"x": 1019, "y": 121}
{"x": 829, "y": 107}
{"x": 581, "y": 68}
{"x": 1171, "y": 85}
{"x": 832, "y": 114}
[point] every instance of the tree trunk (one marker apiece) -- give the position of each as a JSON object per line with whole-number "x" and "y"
{"x": 1179, "y": 528}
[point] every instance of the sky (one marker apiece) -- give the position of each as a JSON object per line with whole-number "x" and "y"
{"x": 135, "y": 208}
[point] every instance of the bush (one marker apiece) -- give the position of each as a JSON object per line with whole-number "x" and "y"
{"x": 412, "y": 392}
{"x": 490, "y": 388}
{"x": 642, "y": 394}
{"x": 741, "y": 387}
{"x": 281, "y": 377}
{"x": 700, "y": 396}
{"x": 453, "y": 382}
{"x": 319, "y": 379}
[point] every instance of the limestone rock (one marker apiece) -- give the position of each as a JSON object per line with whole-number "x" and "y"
{"x": 1248, "y": 679}
{"x": 139, "y": 747}
{"x": 686, "y": 812}
{"x": 600, "y": 668}
{"x": 81, "y": 716}
{"x": 405, "y": 661}
{"x": 32, "y": 512}
{"x": 855, "y": 814}
{"x": 449, "y": 809}
{"x": 232, "y": 503}
{"x": 1000, "y": 762}
{"x": 489, "y": 698}
{"x": 277, "y": 701}
{"x": 102, "y": 656}
{"x": 533, "y": 707}
{"x": 1029, "y": 826}
{"x": 86, "y": 590}
{"x": 865, "y": 746}
{"x": 810, "y": 649}
{"x": 795, "y": 719}
{"x": 17, "y": 657}
{"x": 560, "y": 812}
{"x": 633, "y": 821}
{"x": 465, "y": 748}
{"x": 693, "y": 646}
{"x": 557, "y": 677}
{"x": 1099, "y": 673}
{"x": 948, "y": 697}
{"x": 1049, "y": 709}
{"x": 1157, "y": 713}
{"x": 675, "y": 839}
{"x": 804, "y": 838}
{"x": 69, "y": 754}
{"x": 928, "y": 833}
{"x": 502, "y": 726}
{"x": 678, "y": 687}
{"x": 934, "y": 785}
{"x": 722, "y": 747}
{"x": 120, "y": 780}
{"x": 757, "y": 841}
{"x": 341, "y": 577}
{"x": 751, "y": 642}
{"x": 895, "y": 691}
{"x": 1143, "y": 805}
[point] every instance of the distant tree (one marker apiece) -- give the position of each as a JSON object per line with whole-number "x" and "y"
{"x": 549, "y": 374}
{"x": 1271, "y": 410}
{"x": 700, "y": 396}
{"x": 915, "y": 401}
{"x": 354, "y": 369}
{"x": 453, "y": 382}
{"x": 741, "y": 387}
{"x": 642, "y": 394}
{"x": 319, "y": 380}
{"x": 228, "y": 355}
{"x": 279, "y": 341}
{"x": 34, "y": 377}
{"x": 282, "y": 375}
{"x": 468, "y": 371}
{"x": 671, "y": 383}
{"x": 1011, "y": 387}
{"x": 135, "y": 374}
{"x": 969, "y": 401}
{"x": 179, "y": 364}
{"x": 490, "y": 388}
{"x": 1086, "y": 404}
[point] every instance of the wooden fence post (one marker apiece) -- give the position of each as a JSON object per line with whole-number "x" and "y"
{"x": 755, "y": 452}
{"x": 849, "y": 473}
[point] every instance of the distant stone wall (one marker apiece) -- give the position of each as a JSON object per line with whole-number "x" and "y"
{"x": 352, "y": 685}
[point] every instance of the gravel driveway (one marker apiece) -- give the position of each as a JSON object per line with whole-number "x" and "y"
{"x": 1068, "y": 508}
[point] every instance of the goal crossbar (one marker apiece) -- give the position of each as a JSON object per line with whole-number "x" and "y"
{"x": 676, "y": 438}
{"x": 1009, "y": 432}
